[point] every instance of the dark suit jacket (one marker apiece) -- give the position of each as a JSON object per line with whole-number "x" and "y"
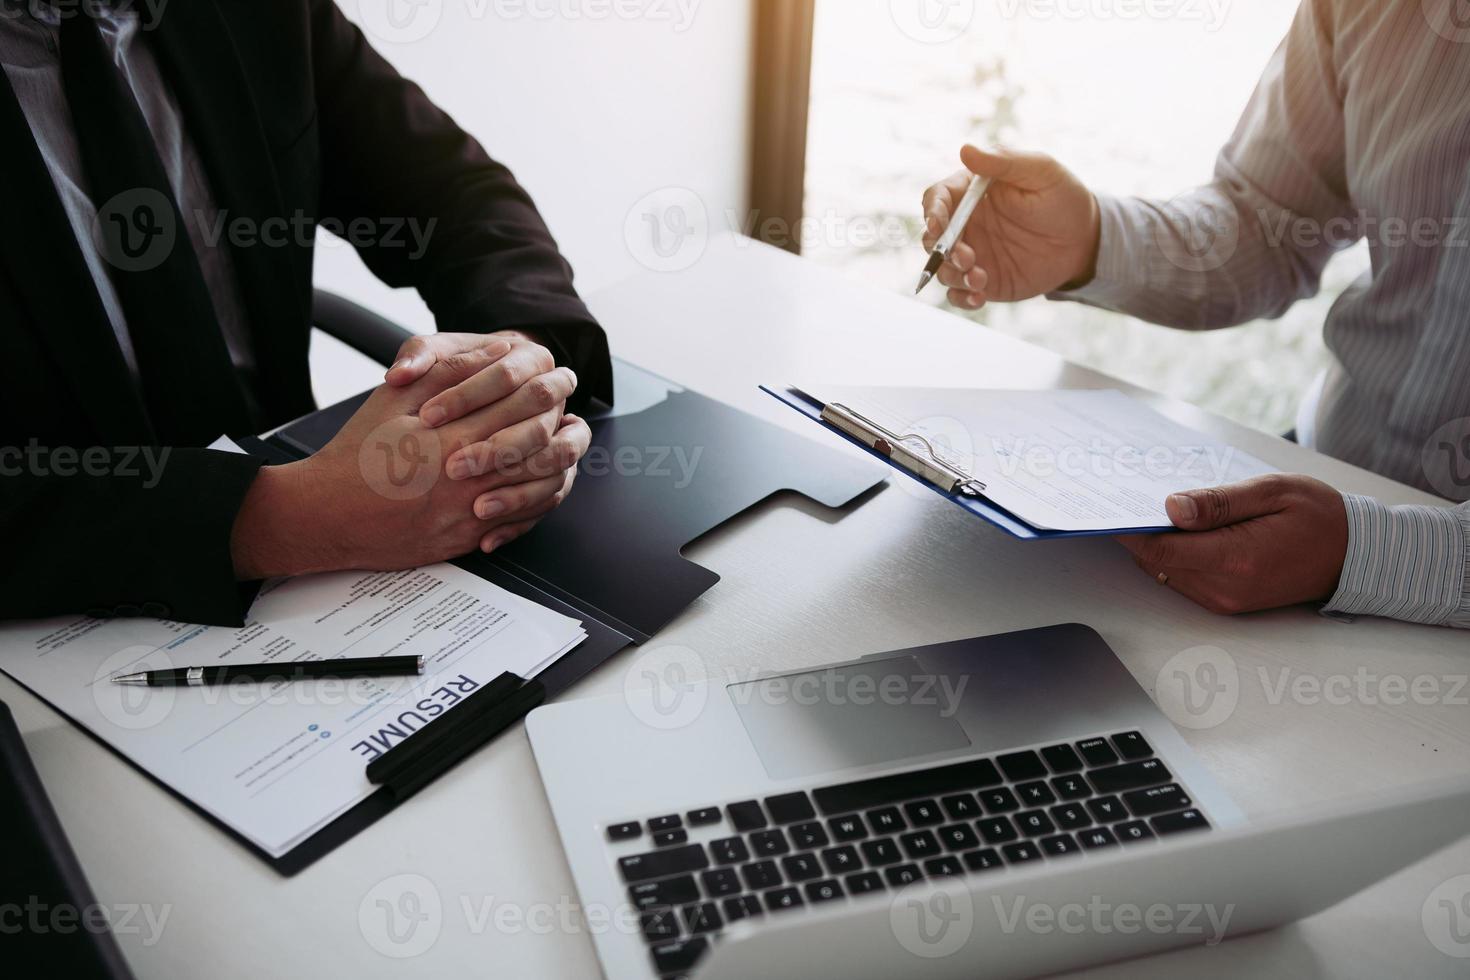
{"x": 293, "y": 114}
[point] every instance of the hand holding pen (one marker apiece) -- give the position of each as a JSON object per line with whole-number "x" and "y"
{"x": 1033, "y": 228}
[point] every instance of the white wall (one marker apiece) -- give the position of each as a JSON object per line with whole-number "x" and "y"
{"x": 594, "y": 104}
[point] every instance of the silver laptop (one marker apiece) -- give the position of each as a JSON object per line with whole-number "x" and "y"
{"x": 1004, "y": 806}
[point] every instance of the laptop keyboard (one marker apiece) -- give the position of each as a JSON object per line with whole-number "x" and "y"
{"x": 716, "y": 865}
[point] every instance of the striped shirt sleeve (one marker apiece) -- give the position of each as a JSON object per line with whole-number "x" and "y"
{"x": 1410, "y": 563}
{"x": 1232, "y": 250}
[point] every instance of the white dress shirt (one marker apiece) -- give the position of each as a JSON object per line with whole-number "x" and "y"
{"x": 1360, "y": 128}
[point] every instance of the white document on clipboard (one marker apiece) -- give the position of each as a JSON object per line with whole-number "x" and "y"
{"x": 1070, "y": 460}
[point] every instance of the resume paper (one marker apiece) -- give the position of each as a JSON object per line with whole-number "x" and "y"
{"x": 278, "y": 761}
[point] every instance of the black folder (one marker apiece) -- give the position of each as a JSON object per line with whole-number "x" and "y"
{"x": 609, "y": 556}
{"x": 665, "y": 467}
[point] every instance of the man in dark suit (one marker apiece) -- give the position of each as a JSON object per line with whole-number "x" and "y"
{"x": 164, "y": 168}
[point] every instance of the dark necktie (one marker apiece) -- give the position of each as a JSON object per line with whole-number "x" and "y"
{"x": 189, "y": 383}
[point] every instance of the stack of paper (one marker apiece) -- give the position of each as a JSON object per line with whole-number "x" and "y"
{"x": 277, "y": 762}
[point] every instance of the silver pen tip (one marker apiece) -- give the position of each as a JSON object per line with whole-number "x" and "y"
{"x": 923, "y": 281}
{"x": 130, "y": 679}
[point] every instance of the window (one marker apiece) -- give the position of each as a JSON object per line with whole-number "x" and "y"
{"x": 1133, "y": 105}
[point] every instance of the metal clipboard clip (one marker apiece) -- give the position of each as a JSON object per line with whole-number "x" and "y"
{"x": 927, "y": 465}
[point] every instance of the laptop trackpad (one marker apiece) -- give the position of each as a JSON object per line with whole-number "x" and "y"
{"x": 858, "y": 714}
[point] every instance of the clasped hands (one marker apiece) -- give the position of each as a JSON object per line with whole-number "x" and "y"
{"x": 466, "y": 446}
{"x": 496, "y": 404}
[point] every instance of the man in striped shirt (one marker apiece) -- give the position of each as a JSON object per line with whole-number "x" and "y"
{"x": 1360, "y": 128}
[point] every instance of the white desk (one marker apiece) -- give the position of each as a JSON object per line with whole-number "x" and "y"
{"x": 800, "y": 587}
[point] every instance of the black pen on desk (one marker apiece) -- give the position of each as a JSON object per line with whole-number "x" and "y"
{"x": 974, "y": 194}
{"x": 305, "y": 670}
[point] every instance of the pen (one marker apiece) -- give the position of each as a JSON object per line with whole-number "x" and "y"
{"x": 305, "y": 670}
{"x": 974, "y": 194}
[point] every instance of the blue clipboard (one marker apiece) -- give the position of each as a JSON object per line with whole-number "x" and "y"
{"x": 974, "y": 502}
